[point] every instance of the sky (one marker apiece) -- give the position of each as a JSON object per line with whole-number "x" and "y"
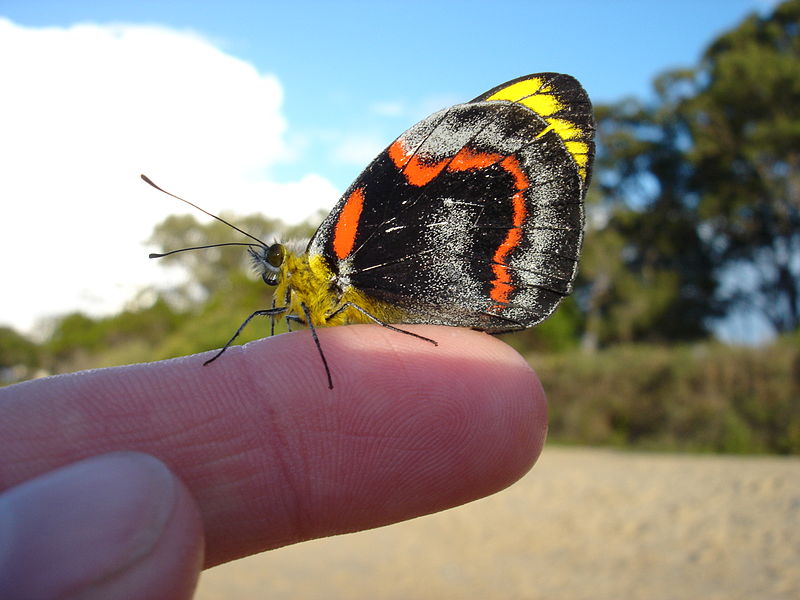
{"x": 271, "y": 107}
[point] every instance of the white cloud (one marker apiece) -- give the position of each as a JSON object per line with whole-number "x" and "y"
{"x": 358, "y": 149}
{"x": 83, "y": 111}
{"x": 389, "y": 108}
{"x": 431, "y": 104}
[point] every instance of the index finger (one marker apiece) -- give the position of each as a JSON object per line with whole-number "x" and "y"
{"x": 272, "y": 456}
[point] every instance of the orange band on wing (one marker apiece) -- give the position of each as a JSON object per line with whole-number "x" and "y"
{"x": 501, "y": 285}
{"x": 416, "y": 171}
{"x": 344, "y": 234}
{"x": 419, "y": 173}
{"x": 467, "y": 159}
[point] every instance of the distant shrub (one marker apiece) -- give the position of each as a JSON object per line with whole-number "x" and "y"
{"x": 706, "y": 397}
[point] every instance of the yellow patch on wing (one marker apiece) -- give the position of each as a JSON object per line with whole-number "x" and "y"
{"x": 530, "y": 93}
{"x": 550, "y": 105}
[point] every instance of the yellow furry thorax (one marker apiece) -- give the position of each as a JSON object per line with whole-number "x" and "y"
{"x": 307, "y": 280}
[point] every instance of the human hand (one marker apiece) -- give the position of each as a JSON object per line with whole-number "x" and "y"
{"x": 125, "y": 482}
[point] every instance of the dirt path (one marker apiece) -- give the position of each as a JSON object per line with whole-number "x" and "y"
{"x": 584, "y": 524}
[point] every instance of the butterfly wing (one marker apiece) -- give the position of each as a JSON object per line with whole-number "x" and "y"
{"x": 474, "y": 216}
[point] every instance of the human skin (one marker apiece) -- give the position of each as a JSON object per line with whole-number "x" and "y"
{"x": 251, "y": 452}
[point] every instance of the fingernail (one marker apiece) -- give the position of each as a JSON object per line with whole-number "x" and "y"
{"x": 65, "y": 530}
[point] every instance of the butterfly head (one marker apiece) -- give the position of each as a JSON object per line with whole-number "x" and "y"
{"x": 268, "y": 261}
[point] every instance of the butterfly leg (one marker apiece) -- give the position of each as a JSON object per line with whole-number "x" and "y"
{"x": 293, "y": 319}
{"x": 272, "y": 320}
{"x": 379, "y": 322}
{"x": 270, "y": 312}
{"x": 316, "y": 341}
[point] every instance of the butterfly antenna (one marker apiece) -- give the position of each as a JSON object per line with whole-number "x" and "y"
{"x": 163, "y": 254}
{"x": 220, "y": 219}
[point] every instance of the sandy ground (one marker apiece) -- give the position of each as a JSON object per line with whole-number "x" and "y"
{"x": 584, "y": 524}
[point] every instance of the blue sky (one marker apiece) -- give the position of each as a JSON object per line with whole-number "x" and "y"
{"x": 260, "y": 106}
{"x": 370, "y": 69}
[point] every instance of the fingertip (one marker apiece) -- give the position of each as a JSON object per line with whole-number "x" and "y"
{"x": 485, "y": 377}
{"x": 423, "y": 428}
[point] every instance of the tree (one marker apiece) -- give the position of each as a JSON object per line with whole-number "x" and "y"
{"x": 17, "y": 351}
{"x": 210, "y": 269}
{"x": 646, "y": 274}
{"x": 699, "y": 207}
{"x": 744, "y": 121}
{"x": 224, "y": 289}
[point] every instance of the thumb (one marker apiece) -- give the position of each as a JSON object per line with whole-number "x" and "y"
{"x": 113, "y": 526}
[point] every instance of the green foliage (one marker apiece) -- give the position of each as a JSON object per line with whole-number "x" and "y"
{"x": 209, "y": 268}
{"x": 696, "y": 203}
{"x": 646, "y": 273}
{"x": 19, "y": 356}
{"x": 16, "y": 349}
{"x": 75, "y": 331}
{"x": 213, "y": 323}
{"x": 558, "y": 333}
{"x": 698, "y": 398}
{"x": 78, "y": 341}
{"x": 225, "y": 290}
{"x": 743, "y": 109}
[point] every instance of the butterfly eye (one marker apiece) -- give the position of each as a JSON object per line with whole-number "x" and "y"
{"x": 269, "y": 261}
{"x": 276, "y": 254}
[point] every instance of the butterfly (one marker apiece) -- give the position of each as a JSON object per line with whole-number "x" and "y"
{"x": 471, "y": 218}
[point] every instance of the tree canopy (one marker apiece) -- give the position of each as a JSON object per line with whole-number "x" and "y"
{"x": 698, "y": 210}
{"x": 743, "y": 112}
